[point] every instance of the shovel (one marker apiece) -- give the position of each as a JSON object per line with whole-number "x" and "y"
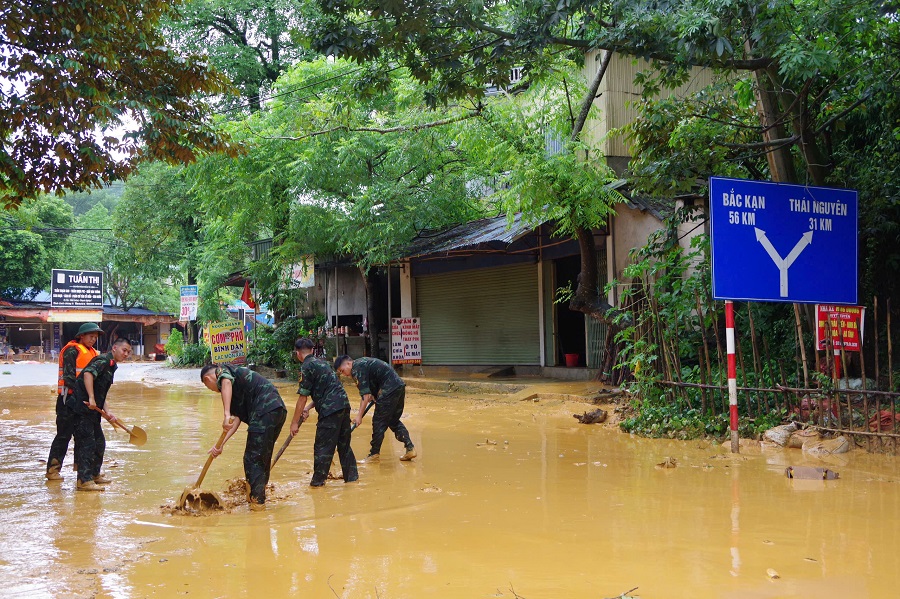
{"x": 136, "y": 435}
{"x": 283, "y": 447}
{"x": 194, "y": 496}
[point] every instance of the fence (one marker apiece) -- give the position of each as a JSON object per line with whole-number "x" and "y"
{"x": 868, "y": 413}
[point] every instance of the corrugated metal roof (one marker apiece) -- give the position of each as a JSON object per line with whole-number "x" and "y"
{"x": 498, "y": 230}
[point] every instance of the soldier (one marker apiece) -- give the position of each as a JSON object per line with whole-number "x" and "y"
{"x": 72, "y": 359}
{"x": 378, "y": 382}
{"x": 319, "y": 381}
{"x": 249, "y": 397}
{"x": 89, "y": 399}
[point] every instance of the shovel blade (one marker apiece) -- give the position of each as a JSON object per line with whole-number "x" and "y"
{"x": 137, "y": 436}
{"x": 200, "y": 500}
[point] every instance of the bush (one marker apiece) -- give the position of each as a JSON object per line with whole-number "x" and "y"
{"x": 275, "y": 347}
{"x": 195, "y": 354}
{"x": 175, "y": 344}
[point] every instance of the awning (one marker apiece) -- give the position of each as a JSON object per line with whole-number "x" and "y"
{"x": 144, "y": 319}
{"x": 41, "y": 315}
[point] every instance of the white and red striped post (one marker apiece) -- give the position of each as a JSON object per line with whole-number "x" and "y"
{"x": 732, "y": 375}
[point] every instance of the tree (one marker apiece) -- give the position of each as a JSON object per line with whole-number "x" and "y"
{"x": 74, "y": 72}
{"x": 33, "y": 241}
{"x": 806, "y": 65}
{"x": 252, "y": 41}
{"x": 82, "y": 201}
{"x": 334, "y": 169}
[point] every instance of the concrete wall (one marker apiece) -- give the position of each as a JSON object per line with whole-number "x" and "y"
{"x": 617, "y": 95}
{"x": 629, "y": 229}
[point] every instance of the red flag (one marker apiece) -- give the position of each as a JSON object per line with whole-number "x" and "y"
{"x": 246, "y": 297}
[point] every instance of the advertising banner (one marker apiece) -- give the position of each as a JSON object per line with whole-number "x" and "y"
{"x": 846, "y": 326}
{"x": 226, "y": 342}
{"x": 406, "y": 341}
{"x": 303, "y": 273}
{"x": 189, "y": 299}
{"x": 76, "y": 289}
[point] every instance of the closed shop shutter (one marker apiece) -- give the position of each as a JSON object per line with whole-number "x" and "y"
{"x": 487, "y": 316}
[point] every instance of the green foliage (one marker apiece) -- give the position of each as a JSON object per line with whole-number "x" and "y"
{"x": 656, "y": 415}
{"x": 175, "y": 344}
{"x": 275, "y": 347}
{"x": 186, "y": 354}
{"x": 33, "y": 241}
{"x": 78, "y": 72}
{"x": 661, "y": 311}
{"x": 82, "y": 201}
{"x": 252, "y": 42}
{"x": 195, "y": 354}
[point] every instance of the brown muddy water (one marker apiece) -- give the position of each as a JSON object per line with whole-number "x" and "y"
{"x": 507, "y": 499}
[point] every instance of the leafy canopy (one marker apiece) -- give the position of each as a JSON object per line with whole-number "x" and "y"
{"x": 72, "y": 73}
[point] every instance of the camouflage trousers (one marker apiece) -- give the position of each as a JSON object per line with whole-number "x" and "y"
{"x": 388, "y": 410}
{"x": 262, "y": 432}
{"x": 333, "y": 433}
{"x": 90, "y": 445}
{"x": 65, "y": 428}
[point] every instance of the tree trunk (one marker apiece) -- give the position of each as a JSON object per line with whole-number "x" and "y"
{"x": 587, "y": 297}
{"x": 781, "y": 164}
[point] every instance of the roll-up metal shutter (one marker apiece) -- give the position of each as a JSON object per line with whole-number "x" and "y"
{"x": 487, "y": 316}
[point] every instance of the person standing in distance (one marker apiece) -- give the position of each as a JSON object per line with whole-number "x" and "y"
{"x": 91, "y": 388}
{"x": 73, "y": 358}
{"x": 249, "y": 397}
{"x": 319, "y": 382}
{"x": 378, "y": 382}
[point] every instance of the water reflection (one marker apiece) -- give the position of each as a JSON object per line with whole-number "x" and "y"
{"x": 507, "y": 498}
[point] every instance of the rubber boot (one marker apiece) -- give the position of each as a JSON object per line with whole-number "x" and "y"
{"x": 100, "y": 479}
{"x": 88, "y": 486}
{"x": 53, "y": 471}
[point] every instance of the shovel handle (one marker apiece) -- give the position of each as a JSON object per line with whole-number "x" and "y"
{"x": 210, "y": 459}
{"x": 366, "y": 411}
{"x": 283, "y": 447}
{"x": 116, "y": 423}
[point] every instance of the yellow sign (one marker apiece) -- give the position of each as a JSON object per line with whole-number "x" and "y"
{"x": 227, "y": 343}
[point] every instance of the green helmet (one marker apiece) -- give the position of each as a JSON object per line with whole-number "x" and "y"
{"x": 89, "y": 327}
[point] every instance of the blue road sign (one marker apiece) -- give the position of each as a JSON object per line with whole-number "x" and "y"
{"x": 776, "y": 242}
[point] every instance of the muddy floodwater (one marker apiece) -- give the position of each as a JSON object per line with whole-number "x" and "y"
{"x": 507, "y": 499}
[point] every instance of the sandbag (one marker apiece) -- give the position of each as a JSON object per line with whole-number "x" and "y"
{"x": 780, "y": 435}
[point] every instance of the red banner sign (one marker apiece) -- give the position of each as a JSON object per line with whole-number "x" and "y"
{"x": 846, "y": 324}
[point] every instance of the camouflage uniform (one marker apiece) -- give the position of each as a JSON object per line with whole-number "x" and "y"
{"x": 378, "y": 379}
{"x": 318, "y": 381}
{"x": 65, "y": 418}
{"x": 90, "y": 444}
{"x": 257, "y": 402}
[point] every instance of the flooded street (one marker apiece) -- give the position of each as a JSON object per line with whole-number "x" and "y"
{"x": 507, "y": 498}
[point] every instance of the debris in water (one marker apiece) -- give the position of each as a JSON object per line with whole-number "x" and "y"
{"x": 810, "y": 473}
{"x": 595, "y": 417}
{"x": 668, "y": 462}
{"x": 486, "y": 442}
{"x": 772, "y": 574}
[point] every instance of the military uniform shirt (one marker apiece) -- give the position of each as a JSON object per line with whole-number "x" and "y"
{"x": 103, "y": 368}
{"x": 375, "y": 377}
{"x": 319, "y": 381}
{"x": 70, "y": 356}
{"x": 251, "y": 393}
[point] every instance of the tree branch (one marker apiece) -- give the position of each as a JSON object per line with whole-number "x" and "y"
{"x": 401, "y": 129}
